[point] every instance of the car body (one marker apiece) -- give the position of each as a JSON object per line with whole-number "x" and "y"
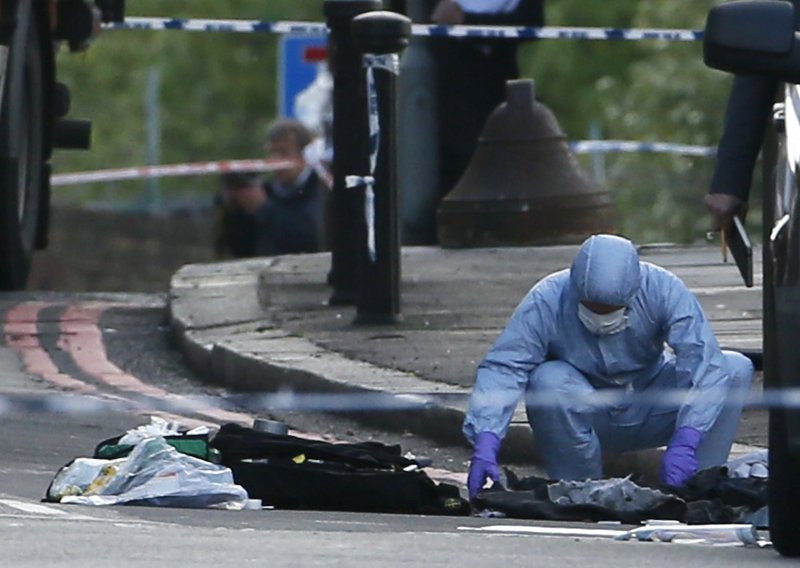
{"x": 758, "y": 38}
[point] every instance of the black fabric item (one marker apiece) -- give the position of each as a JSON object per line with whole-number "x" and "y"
{"x": 532, "y": 495}
{"x": 292, "y": 473}
{"x": 236, "y": 442}
{"x": 713, "y": 513}
{"x": 530, "y": 504}
{"x": 336, "y": 487}
{"x": 713, "y": 483}
{"x": 709, "y": 497}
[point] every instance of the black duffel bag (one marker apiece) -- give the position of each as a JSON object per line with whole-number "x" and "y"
{"x": 288, "y": 472}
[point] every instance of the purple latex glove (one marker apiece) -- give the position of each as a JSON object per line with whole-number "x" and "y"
{"x": 680, "y": 460}
{"x": 484, "y": 462}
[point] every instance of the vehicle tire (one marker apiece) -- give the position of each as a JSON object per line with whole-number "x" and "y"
{"x": 781, "y": 356}
{"x": 21, "y": 150}
{"x": 784, "y": 488}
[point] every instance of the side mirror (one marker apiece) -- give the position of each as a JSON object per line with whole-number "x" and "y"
{"x": 753, "y": 37}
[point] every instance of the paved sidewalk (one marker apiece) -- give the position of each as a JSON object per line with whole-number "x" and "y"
{"x": 264, "y": 325}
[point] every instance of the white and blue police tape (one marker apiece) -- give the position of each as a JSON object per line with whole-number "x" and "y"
{"x": 204, "y": 25}
{"x": 77, "y": 404}
{"x": 425, "y": 30}
{"x": 556, "y": 32}
{"x": 627, "y": 146}
{"x": 388, "y": 62}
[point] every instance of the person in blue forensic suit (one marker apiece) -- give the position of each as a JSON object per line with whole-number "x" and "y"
{"x": 609, "y": 325}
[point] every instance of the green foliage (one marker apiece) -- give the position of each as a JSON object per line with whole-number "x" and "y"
{"x": 218, "y": 91}
{"x": 646, "y": 90}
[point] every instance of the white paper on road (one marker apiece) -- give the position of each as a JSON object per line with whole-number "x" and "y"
{"x": 663, "y": 531}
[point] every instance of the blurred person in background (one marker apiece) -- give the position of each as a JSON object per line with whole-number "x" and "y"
{"x": 472, "y": 74}
{"x": 241, "y": 195}
{"x": 292, "y": 219}
{"x": 469, "y": 76}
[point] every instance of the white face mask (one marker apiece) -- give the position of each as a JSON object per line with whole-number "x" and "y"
{"x": 603, "y": 324}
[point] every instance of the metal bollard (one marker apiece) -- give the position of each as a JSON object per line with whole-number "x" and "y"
{"x": 381, "y": 36}
{"x": 349, "y": 144}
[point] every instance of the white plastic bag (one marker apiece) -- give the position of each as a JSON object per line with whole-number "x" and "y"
{"x": 82, "y": 475}
{"x": 157, "y": 427}
{"x": 155, "y": 473}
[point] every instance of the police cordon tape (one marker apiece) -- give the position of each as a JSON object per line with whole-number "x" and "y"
{"x": 204, "y": 168}
{"x": 424, "y": 30}
{"x": 188, "y": 169}
{"x": 355, "y": 402}
{"x": 632, "y": 146}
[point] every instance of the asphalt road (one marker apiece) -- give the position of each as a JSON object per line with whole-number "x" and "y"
{"x": 118, "y": 345}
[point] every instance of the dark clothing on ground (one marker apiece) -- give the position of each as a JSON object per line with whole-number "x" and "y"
{"x": 292, "y": 221}
{"x": 710, "y": 496}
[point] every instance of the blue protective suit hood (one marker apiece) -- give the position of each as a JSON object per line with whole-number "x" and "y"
{"x": 606, "y": 271}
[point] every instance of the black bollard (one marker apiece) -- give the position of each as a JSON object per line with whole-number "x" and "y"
{"x": 350, "y": 144}
{"x": 381, "y": 36}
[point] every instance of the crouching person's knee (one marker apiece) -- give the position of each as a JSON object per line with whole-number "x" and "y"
{"x": 741, "y": 370}
{"x": 556, "y": 383}
{"x": 556, "y": 375}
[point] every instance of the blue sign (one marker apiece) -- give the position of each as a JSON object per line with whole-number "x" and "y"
{"x": 297, "y": 67}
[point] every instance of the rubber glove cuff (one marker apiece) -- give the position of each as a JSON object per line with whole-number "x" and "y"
{"x": 483, "y": 465}
{"x": 487, "y": 446}
{"x": 680, "y": 461}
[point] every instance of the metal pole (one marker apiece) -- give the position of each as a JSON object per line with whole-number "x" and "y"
{"x": 349, "y": 144}
{"x": 153, "y": 110}
{"x": 381, "y": 36}
{"x": 418, "y": 139}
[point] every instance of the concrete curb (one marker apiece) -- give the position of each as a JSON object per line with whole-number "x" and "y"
{"x": 228, "y": 337}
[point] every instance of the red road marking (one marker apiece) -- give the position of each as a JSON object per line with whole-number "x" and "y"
{"x": 81, "y": 337}
{"x": 22, "y": 336}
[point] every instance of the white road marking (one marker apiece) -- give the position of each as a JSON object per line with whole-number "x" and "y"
{"x": 546, "y": 531}
{"x": 33, "y": 508}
